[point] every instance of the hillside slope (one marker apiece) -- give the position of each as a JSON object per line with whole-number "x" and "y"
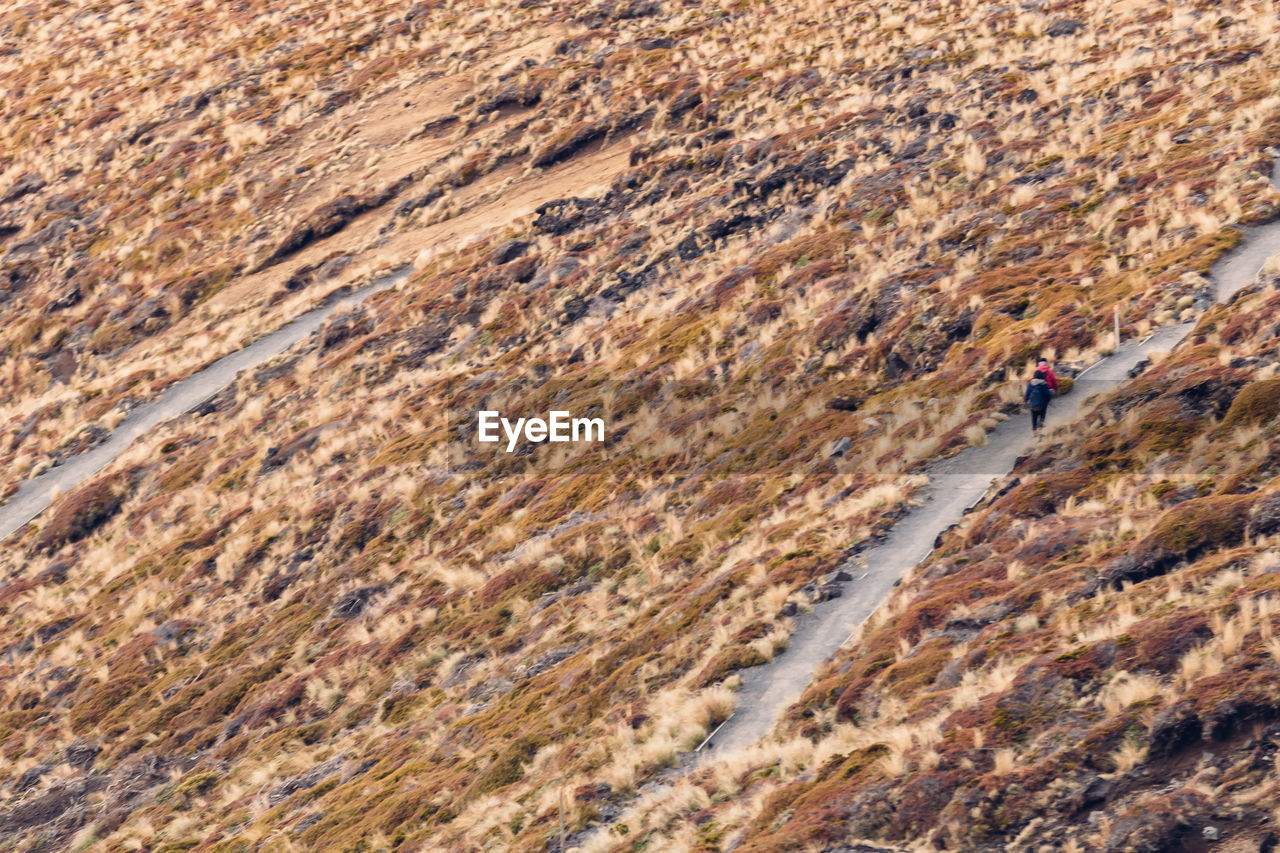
{"x": 1087, "y": 663}
{"x": 316, "y": 614}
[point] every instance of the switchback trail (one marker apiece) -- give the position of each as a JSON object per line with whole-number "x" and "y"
{"x": 35, "y": 495}
{"x": 585, "y": 175}
{"x": 955, "y": 485}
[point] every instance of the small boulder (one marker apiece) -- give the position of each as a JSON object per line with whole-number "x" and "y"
{"x": 306, "y": 780}
{"x": 1264, "y": 516}
{"x": 826, "y": 592}
{"x": 81, "y": 753}
{"x": 1173, "y": 730}
{"x": 55, "y": 574}
{"x": 1064, "y": 27}
{"x": 509, "y": 251}
{"x": 30, "y": 778}
{"x": 843, "y": 404}
{"x": 25, "y": 185}
{"x": 70, "y": 296}
{"x": 592, "y": 791}
{"x": 895, "y": 366}
{"x": 353, "y": 603}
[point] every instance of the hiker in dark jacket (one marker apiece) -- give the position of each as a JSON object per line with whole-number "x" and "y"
{"x": 1037, "y": 398}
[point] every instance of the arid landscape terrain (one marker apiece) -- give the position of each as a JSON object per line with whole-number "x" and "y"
{"x": 793, "y": 254}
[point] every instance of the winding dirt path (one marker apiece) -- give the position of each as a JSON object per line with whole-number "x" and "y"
{"x": 956, "y": 484}
{"x": 590, "y": 173}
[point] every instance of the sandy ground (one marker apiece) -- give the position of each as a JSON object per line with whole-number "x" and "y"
{"x": 385, "y": 128}
{"x": 253, "y": 331}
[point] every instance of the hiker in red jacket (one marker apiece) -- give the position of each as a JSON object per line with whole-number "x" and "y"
{"x": 1044, "y": 368}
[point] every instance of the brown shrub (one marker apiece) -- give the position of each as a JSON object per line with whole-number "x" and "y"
{"x": 1257, "y": 402}
{"x": 1185, "y": 532}
{"x": 728, "y": 660}
{"x": 1201, "y": 525}
{"x": 83, "y": 512}
{"x": 1043, "y": 495}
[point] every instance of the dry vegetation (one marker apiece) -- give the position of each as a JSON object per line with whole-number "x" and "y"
{"x": 315, "y": 616}
{"x": 1088, "y": 663}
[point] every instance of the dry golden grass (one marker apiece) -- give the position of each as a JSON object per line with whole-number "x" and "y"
{"x": 499, "y": 658}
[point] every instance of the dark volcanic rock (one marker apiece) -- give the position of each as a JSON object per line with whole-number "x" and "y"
{"x": 895, "y": 366}
{"x": 620, "y": 10}
{"x": 306, "y": 781}
{"x": 564, "y": 215}
{"x": 1164, "y": 825}
{"x": 55, "y": 574}
{"x": 16, "y": 276}
{"x": 1264, "y": 517}
{"x": 344, "y": 327}
{"x": 81, "y": 753}
{"x": 326, "y": 220}
{"x": 25, "y": 185}
{"x": 1173, "y": 730}
{"x": 353, "y": 603}
{"x": 55, "y": 814}
{"x": 409, "y": 205}
{"x": 509, "y": 251}
{"x": 280, "y": 455}
{"x": 1065, "y": 27}
{"x": 220, "y": 402}
{"x": 564, "y": 148}
{"x": 50, "y": 235}
{"x": 70, "y": 296}
{"x": 30, "y": 778}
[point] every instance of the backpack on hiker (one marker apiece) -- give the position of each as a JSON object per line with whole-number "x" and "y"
{"x": 1038, "y": 392}
{"x": 1037, "y": 397}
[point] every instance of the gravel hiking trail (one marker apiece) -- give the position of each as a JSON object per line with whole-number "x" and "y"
{"x": 588, "y": 174}
{"x": 35, "y": 495}
{"x": 955, "y": 485}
